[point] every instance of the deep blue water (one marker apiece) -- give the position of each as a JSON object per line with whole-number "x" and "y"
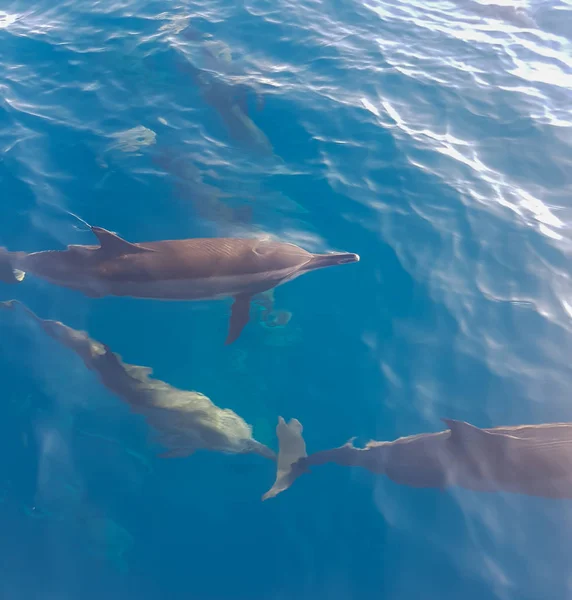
{"x": 432, "y": 138}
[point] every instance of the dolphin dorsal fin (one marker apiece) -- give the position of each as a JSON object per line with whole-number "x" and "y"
{"x": 113, "y": 244}
{"x": 464, "y": 433}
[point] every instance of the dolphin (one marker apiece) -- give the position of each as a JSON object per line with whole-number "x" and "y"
{"x": 534, "y": 460}
{"x": 230, "y": 102}
{"x": 186, "y": 421}
{"x": 191, "y": 269}
{"x": 213, "y": 76}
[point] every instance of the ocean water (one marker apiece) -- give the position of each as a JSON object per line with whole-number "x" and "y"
{"x": 434, "y": 139}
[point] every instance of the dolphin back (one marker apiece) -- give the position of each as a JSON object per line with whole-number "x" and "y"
{"x": 203, "y": 258}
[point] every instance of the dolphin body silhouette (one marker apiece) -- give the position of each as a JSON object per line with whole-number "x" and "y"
{"x": 186, "y": 421}
{"x": 230, "y": 100}
{"x": 535, "y": 460}
{"x": 191, "y": 269}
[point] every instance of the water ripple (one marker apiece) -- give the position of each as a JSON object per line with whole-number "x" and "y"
{"x": 438, "y": 136}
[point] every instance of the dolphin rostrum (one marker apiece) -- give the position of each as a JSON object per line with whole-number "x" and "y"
{"x": 535, "y": 460}
{"x": 191, "y": 269}
{"x": 186, "y": 421}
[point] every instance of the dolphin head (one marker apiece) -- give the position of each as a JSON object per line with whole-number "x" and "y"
{"x": 281, "y": 255}
{"x": 275, "y": 256}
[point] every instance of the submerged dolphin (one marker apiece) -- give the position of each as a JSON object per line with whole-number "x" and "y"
{"x": 207, "y": 201}
{"x": 185, "y": 420}
{"x": 191, "y": 269}
{"x": 535, "y": 460}
{"x": 230, "y": 100}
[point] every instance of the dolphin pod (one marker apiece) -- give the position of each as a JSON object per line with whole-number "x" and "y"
{"x": 534, "y": 460}
{"x": 186, "y": 421}
{"x": 188, "y": 269}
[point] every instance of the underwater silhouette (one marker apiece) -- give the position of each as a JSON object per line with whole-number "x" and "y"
{"x": 186, "y": 421}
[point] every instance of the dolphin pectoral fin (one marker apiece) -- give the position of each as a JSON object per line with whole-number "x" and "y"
{"x": 239, "y": 317}
{"x": 112, "y": 244}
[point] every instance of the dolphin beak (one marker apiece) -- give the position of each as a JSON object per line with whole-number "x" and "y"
{"x": 347, "y": 258}
{"x": 320, "y": 261}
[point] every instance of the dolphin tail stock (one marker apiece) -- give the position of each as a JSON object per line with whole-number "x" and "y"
{"x": 320, "y": 261}
{"x": 255, "y": 447}
{"x": 7, "y": 272}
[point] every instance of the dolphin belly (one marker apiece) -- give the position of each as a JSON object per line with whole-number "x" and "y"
{"x": 208, "y": 288}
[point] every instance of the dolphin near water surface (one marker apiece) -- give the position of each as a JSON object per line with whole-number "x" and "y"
{"x": 188, "y": 269}
{"x": 534, "y": 460}
{"x": 186, "y": 421}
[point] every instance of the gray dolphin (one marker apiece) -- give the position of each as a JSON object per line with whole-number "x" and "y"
{"x": 535, "y": 460}
{"x": 186, "y": 421}
{"x": 191, "y": 269}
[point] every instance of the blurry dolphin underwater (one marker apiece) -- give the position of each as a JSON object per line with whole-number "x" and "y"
{"x": 216, "y": 78}
{"x": 534, "y": 460}
{"x": 188, "y": 269}
{"x": 208, "y": 202}
{"x": 186, "y": 421}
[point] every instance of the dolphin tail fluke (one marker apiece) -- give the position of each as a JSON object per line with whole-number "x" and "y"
{"x": 320, "y": 261}
{"x": 287, "y": 478}
{"x": 239, "y": 317}
{"x": 291, "y": 456}
{"x": 7, "y": 272}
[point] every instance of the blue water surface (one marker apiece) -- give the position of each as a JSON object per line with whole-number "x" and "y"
{"x": 434, "y": 139}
